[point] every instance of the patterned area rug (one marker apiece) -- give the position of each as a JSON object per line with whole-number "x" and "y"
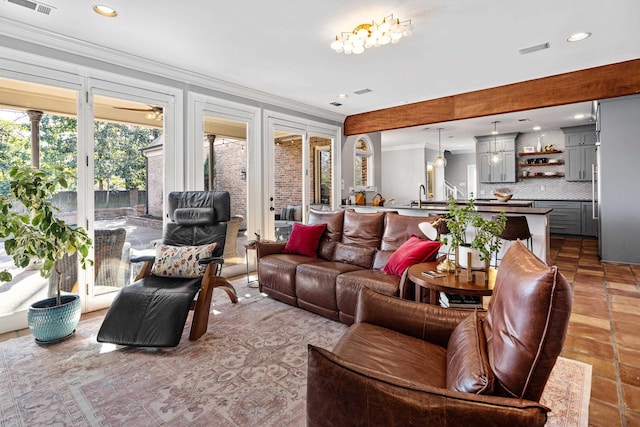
{"x": 248, "y": 370}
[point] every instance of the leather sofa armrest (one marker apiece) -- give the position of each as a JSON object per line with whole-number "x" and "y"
{"x": 264, "y": 248}
{"x": 394, "y": 402}
{"x": 424, "y": 321}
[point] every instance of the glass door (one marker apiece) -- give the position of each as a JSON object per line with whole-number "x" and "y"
{"x": 127, "y": 187}
{"x": 321, "y": 187}
{"x": 131, "y": 132}
{"x": 38, "y": 127}
{"x": 289, "y": 167}
{"x": 225, "y": 169}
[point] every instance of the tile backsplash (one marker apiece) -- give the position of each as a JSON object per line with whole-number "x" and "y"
{"x": 541, "y": 188}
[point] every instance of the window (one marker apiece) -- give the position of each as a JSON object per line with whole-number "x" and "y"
{"x": 363, "y": 164}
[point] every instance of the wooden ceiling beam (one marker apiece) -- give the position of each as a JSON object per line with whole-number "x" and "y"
{"x": 607, "y": 81}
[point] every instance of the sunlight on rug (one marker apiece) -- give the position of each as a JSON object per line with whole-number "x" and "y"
{"x": 249, "y": 369}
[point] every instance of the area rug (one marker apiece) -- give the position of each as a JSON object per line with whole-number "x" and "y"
{"x": 249, "y": 369}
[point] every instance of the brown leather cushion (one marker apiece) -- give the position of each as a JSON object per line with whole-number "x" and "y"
{"x": 399, "y": 228}
{"x": 348, "y": 286}
{"x": 356, "y": 255}
{"x": 332, "y": 234}
{"x": 363, "y": 229}
{"x": 468, "y": 367}
{"x": 526, "y": 323}
{"x": 410, "y": 360}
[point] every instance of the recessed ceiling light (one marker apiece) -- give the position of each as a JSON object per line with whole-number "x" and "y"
{"x": 578, "y": 36}
{"x": 578, "y": 116}
{"x": 103, "y": 10}
{"x": 537, "y": 128}
{"x": 342, "y": 96}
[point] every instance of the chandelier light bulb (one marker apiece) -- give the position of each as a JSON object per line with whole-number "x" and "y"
{"x": 337, "y": 44}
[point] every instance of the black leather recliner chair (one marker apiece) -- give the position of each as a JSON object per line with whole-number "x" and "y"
{"x": 152, "y": 311}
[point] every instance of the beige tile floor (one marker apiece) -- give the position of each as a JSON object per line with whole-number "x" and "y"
{"x": 603, "y": 331}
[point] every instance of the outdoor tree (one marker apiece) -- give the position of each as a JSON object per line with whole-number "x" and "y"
{"x": 14, "y": 148}
{"x": 119, "y": 163}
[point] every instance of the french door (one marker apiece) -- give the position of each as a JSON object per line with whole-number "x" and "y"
{"x": 131, "y": 147}
{"x": 301, "y": 173}
{"x": 224, "y": 137}
{"x": 38, "y": 127}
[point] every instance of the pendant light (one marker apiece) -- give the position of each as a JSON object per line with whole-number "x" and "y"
{"x": 495, "y": 157}
{"x": 440, "y": 162}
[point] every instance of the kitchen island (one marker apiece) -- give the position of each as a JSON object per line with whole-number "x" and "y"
{"x": 537, "y": 218}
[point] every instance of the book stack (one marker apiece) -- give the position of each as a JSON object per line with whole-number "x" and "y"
{"x": 448, "y": 300}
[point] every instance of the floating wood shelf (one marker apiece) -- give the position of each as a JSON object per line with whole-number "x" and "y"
{"x": 536, "y": 153}
{"x": 561, "y": 162}
{"x": 560, "y": 175}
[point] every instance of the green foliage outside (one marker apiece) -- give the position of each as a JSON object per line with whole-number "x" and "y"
{"x": 119, "y": 164}
{"x": 38, "y": 234}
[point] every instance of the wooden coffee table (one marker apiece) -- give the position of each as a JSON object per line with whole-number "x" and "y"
{"x": 450, "y": 283}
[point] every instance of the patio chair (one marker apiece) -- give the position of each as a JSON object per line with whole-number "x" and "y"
{"x": 152, "y": 311}
{"x": 111, "y": 258}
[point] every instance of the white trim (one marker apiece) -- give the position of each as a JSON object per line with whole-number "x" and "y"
{"x": 52, "y": 40}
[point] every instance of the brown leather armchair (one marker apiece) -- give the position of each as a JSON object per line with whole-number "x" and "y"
{"x": 404, "y": 363}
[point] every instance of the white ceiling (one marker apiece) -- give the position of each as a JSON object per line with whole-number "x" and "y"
{"x": 281, "y": 47}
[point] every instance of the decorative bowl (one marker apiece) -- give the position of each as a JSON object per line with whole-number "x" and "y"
{"x": 503, "y": 197}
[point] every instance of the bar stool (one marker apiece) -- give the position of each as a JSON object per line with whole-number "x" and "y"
{"x": 516, "y": 228}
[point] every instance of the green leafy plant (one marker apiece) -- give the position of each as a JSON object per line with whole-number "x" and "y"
{"x": 458, "y": 220}
{"x": 38, "y": 236}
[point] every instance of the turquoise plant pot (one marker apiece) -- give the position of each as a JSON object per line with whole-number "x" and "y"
{"x": 50, "y": 323}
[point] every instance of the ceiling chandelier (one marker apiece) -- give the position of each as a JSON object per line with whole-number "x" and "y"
{"x": 390, "y": 30}
{"x": 495, "y": 157}
{"x": 440, "y": 162}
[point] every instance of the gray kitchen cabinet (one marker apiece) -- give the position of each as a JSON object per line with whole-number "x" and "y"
{"x": 581, "y": 152}
{"x": 565, "y": 218}
{"x": 589, "y": 224}
{"x": 505, "y": 170}
{"x": 501, "y": 172}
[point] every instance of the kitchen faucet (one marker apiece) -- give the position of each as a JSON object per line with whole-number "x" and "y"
{"x": 421, "y": 190}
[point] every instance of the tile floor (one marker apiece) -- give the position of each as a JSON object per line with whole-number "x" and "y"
{"x": 603, "y": 330}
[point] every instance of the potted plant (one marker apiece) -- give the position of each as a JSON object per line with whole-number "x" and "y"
{"x": 38, "y": 236}
{"x": 484, "y": 244}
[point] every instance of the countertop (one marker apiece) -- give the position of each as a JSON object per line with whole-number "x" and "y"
{"x": 482, "y": 202}
{"x": 435, "y": 208}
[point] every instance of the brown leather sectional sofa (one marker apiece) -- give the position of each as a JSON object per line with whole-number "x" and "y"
{"x": 352, "y": 252}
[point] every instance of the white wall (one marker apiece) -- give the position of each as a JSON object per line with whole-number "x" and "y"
{"x": 402, "y": 173}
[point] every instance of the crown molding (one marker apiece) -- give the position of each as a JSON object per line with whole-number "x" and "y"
{"x": 48, "y": 39}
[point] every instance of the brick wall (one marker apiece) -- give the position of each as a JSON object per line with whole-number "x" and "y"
{"x": 288, "y": 167}
{"x": 230, "y": 161}
{"x": 155, "y": 170}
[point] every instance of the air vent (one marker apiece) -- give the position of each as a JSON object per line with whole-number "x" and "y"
{"x": 335, "y": 104}
{"x": 35, "y": 6}
{"x": 535, "y": 48}
{"x": 362, "y": 91}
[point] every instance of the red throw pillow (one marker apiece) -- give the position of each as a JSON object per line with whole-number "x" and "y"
{"x": 413, "y": 251}
{"x": 304, "y": 239}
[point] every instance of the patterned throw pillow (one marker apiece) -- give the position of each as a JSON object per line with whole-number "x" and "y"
{"x": 181, "y": 261}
